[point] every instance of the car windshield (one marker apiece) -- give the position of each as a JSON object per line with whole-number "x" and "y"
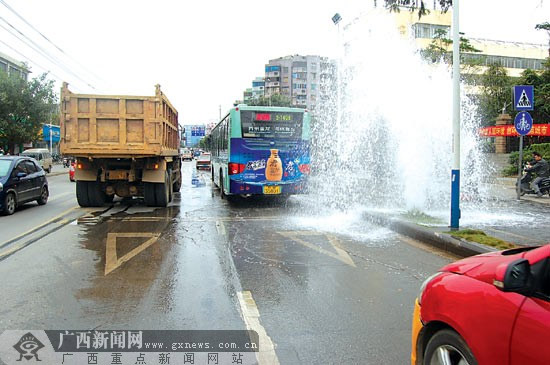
{"x": 4, "y": 167}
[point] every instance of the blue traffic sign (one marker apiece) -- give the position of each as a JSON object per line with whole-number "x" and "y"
{"x": 523, "y": 123}
{"x": 524, "y": 97}
{"x": 54, "y": 130}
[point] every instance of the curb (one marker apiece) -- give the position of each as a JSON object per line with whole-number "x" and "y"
{"x": 443, "y": 241}
{"x": 52, "y": 174}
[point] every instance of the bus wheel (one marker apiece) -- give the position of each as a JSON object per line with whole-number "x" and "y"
{"x": 212, "y": 177}
{"x": 222, "y": 194}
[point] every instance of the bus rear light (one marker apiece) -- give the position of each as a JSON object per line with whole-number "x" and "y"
{"x": 241, "y": 188}
{"x": 304, "y": 169}
{"x": 236, "y": 168}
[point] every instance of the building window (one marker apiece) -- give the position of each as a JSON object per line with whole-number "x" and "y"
{"x": 423, "y": 30}
{"x": 272, "y": 68}
{"x": 508, "y": 62}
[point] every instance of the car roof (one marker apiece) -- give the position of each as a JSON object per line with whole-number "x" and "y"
{"x": 15, "y": 158}
{"x": 35, "y": 150}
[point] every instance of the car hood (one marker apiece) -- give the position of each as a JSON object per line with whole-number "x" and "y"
{"x": 483, "y": 267}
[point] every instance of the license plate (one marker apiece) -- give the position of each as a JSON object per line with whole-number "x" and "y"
{"x": 272, "y": 190}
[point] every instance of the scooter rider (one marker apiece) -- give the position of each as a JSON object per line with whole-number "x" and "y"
{"x": 542, "y": 169}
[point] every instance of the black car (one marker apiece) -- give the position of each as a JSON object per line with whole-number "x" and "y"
{"x": 21, "y": 180}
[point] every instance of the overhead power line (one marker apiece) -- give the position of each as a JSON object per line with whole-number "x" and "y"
{"x": 37, "y": 48}
{"x": 25, "y": 57}
{"x": 48, "y": 40}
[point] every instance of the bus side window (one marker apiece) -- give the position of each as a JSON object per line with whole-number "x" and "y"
{"x": 226, "y": 135}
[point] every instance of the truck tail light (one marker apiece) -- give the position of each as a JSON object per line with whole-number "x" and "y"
{"x": 236, "y": 168}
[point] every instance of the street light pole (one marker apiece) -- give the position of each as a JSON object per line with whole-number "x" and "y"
{"x": 455, "y": 171}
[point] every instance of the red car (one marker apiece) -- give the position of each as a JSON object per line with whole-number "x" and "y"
{"x": 71, "y": 171}
{"x": 487, "y": 309}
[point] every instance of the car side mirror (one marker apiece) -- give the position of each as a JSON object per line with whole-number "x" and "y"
{"x": 20, "y": 175}
{"x": 514, "y": 277}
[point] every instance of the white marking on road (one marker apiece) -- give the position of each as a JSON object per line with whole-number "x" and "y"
{"x": 340, "y": 254}
{"x": 221, "y": 228}
{"x": 38, "y": 227}
{"x": 55, "y": 197}
{"x": 251, "y": 316}
{"x": 112, "y": 261}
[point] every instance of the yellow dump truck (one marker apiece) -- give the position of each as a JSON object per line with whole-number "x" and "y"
{"x": 123, "y": 145}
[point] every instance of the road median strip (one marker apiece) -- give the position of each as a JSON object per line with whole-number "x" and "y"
{"x": 441, "y": 240}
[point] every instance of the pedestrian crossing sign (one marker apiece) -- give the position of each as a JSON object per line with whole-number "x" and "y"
{"x": 524, "y": 97}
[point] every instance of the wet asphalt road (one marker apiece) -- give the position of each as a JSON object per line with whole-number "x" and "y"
{"x": 328, "y": 286}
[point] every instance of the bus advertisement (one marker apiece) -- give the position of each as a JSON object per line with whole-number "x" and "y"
{"x": 261, "y": 151}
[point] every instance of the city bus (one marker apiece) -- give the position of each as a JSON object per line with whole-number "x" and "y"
{"x": 260, "y": 150}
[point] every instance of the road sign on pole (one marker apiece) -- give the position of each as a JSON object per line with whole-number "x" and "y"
{"x": 524, "y": 97}
{"x": 523, "y": 123}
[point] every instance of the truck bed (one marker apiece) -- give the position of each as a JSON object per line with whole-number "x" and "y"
{"x": 104, "y": 126}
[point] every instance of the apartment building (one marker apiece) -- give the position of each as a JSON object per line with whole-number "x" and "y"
{"x": 256, "y": 91}
{"x": 296, "y": 77}
{"x": 11, "y": 66}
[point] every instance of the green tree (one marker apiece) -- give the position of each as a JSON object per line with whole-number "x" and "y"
{"x": 441, "y": 47}
{"x": 414, "y": 5}
{"x": 540, "y": 79}
{"x": 204, "y": 143}
{"x": 545, "y": 26}
{"x": 496, "y": 94}
{"x": 273, "y": 100}
{"x": 24, "y": 107}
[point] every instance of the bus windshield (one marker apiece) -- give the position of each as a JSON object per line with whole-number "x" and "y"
{"x": 271, "y": 124}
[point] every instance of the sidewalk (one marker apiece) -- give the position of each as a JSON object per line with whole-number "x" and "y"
{"x": 524, "y": 222}
{"x": 58, "y": 169}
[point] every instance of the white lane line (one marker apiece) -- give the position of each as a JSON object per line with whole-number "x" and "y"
{"x": 266, "y": 354}
{"x": 55, "y": 197}
{"x": 221, "y": 228}
{"x": 340, "y": 254}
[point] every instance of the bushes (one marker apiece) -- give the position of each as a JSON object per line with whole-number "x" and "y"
{"x": 542, "y": 148}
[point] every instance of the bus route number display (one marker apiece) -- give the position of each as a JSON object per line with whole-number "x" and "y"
{"x": 271, "y": 124}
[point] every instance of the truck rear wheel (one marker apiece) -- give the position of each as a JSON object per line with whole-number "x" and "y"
{"x": 149, "y": 194}
{"x": 82, "y": 193}
{"x": 162, "y": 192}
{"x": 177, "y": 184}
{"x": 96, "y": 197}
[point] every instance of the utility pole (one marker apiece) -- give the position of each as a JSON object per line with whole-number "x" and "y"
{"x": 51, "y": 139}
{"x": 455, "y": 171}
